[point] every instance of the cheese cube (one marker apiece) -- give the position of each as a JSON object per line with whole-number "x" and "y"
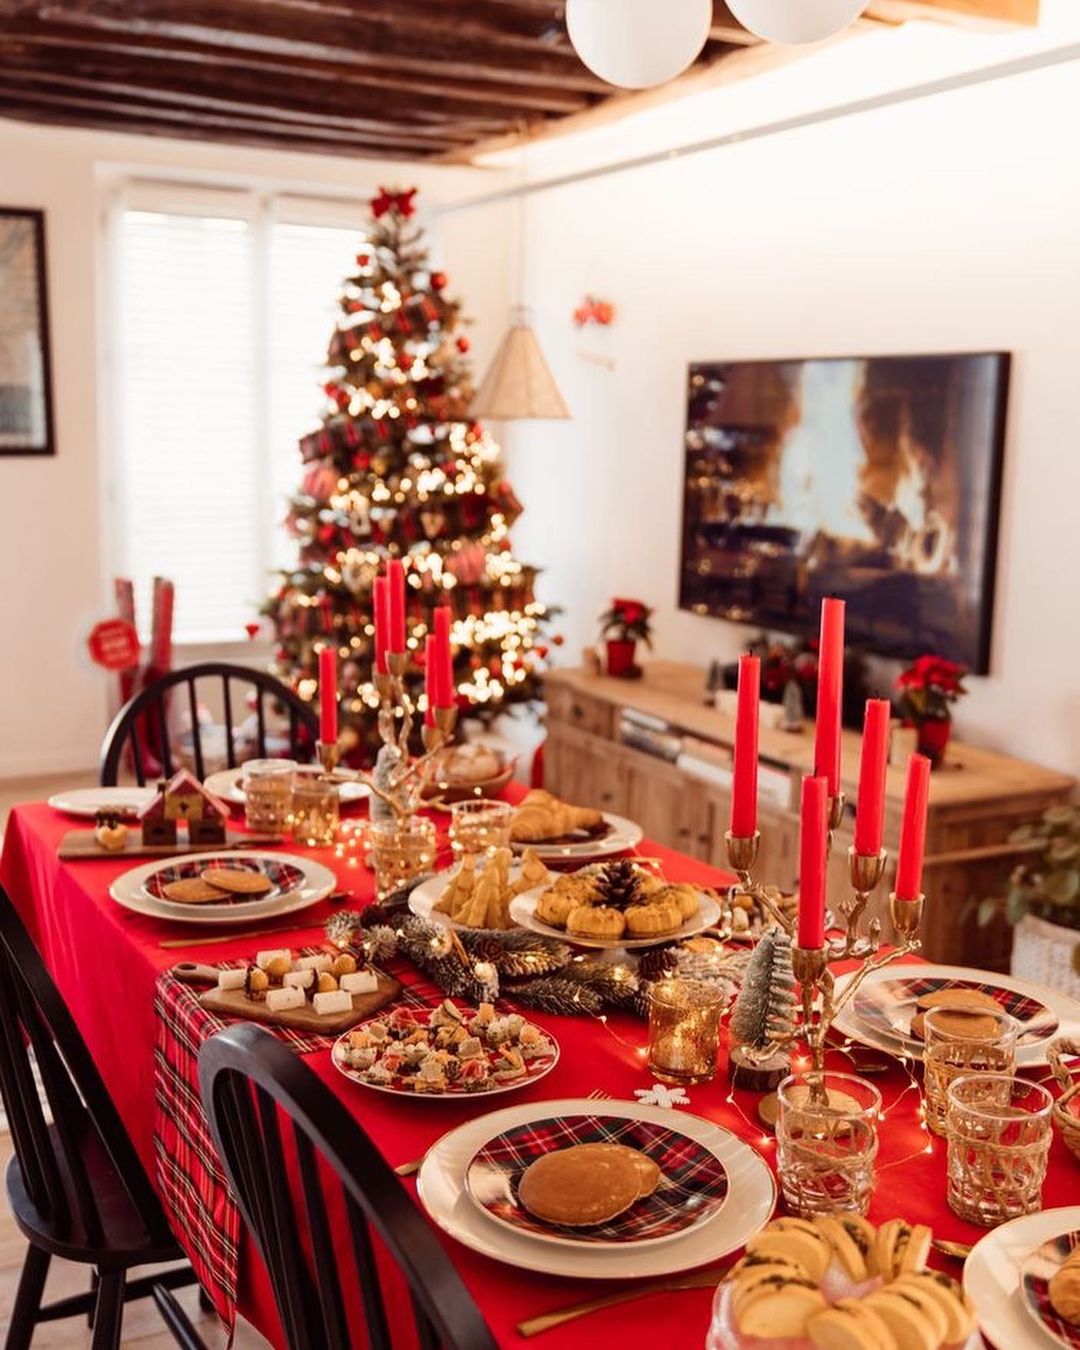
{"x": 281, "y": 1000}
{"x": 263, "y": 959}
{"x": 298, "y": 979}
{"x": 360, "y": 982}
{"x": 333, "y": 1001}
{"x": 231, "y": 979}
{"x": 317, "y": 963}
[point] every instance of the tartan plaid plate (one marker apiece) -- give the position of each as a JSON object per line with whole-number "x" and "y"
{"x": 283, "y": 876}
{"x": 1035, "y": 1289}
{"x": 693, "y": 1186}
{"x": 887, "y": 1006}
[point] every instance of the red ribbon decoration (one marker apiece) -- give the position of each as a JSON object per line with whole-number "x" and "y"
{"x": 401, "y": 202}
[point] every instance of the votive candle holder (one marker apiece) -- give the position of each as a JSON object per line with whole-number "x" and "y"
{"x": 684, "y": 1029}
{"x": 998, "y": 1130}
{"x": 400, "y": 850}
{"x": 316, "y": 809}
{"x": 480, "y": 826}
{"x": 267, "y": 785}
{"x": 955, "y": 1046}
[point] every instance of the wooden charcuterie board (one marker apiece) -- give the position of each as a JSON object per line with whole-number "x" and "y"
{"x": 78, "y": 845}
{"x": 235, "y": 1003}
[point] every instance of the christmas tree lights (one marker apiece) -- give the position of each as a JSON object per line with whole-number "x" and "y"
{"x": 398, "y": 470}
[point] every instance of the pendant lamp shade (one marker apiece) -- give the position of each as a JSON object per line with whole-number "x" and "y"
{"x": 518, "y": 383}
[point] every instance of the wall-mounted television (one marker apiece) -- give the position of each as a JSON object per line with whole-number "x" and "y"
{"x": 875, "y": 478}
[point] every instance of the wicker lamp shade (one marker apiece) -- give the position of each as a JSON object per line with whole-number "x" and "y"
{"x": 518, "y": 383}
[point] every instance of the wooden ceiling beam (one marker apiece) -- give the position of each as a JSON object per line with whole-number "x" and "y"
{"x": 496, "y": 100}
{"x": 214, "y": 123}
{"x": 419, "y": 137}
{"x": 294, "y": 35}
{"x": 290, "y": 91}
{"x": 132, "y": 122}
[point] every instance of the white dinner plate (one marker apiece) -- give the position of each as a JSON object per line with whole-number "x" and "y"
{"x": 126, "y": 801}
{"x": 442, "y": 1190}
{"x": 523, "y": 912}
{"x": 887, "y": 1028}
{"x": 622, "y": 835}
{"x": 992, "y": 1275}
{"x": 317, "y": 882}
{"x": 227, "y": 785}
{"x": 424, "y": 898}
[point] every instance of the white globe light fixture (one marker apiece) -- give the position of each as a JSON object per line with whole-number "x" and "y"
{"x": 796, "y": 21}
{"x": 638, "y": 43}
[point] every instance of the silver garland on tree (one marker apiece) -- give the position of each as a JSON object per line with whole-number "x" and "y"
{"x": 764, "y": 1013}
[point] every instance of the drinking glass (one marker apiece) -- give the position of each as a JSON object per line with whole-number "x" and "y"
{"x": 480, "y": 826}
{"x": 267, "y": 785}
{"x": 998, "y": 1132}
{"x": 684, "y": 1030}
{"x": 316, "y": 808}
{"x": 399, "y": 851}
{"x": 955, "y": 1046}
{"x": 827, "y": 1142}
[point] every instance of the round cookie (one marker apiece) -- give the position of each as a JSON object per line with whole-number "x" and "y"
{"x": 237, "y": 881}
{"x": 1064, "y": 1289}
{"x": 579, "y": 1186}
{"x": 957, "y": 998}
{"x": 554, "y": 906}
{"x": 596, "y": 921}
{"x": 653, "y": 919}
{"x": 192, "y": 891}
{"x": 649, "y": 1174}
{"x": 956, "y": 1022}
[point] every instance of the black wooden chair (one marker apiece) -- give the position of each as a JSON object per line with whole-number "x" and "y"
{"x": 251, "y": 1084}
{"x": 76, "y": 1187}
{"x": 143, "y": 723}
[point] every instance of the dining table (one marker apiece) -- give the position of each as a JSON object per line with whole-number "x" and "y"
{"x": 144, "y": 1028}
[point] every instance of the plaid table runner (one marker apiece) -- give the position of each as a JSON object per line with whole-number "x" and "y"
{"x": 191, "y": 1178}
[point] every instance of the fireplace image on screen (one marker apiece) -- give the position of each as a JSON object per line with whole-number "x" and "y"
{"x": 874, "y": 478}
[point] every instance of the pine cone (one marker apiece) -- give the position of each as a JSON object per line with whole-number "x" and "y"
{"x": 656, "y": 962}
{"x": 619, "y": 884}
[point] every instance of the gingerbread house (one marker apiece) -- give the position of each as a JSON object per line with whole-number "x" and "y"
{"x": 183, "y": 798}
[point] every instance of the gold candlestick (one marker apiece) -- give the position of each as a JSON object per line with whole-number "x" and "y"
{"x": 865, "y": 871}
{"x": 329, "y": 756}
{"x": 742, "y": 851}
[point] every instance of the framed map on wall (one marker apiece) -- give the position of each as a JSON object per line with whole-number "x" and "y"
{"x": 26, "y": 419}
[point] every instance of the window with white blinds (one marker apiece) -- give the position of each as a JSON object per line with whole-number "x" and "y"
{"x": 223, "y": 320}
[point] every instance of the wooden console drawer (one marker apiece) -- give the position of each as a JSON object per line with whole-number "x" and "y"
{"x": 573, "y": 709}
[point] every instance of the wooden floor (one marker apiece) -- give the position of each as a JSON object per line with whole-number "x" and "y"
{"x": 142, "y": 1323}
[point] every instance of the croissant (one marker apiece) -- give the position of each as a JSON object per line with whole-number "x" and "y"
{"x": 542, "y": 816}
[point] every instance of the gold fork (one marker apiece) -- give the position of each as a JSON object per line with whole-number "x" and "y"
{"x": 694, "y": 1279}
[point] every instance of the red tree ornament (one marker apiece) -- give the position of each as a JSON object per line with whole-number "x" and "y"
{"x": 462, "y": 343}
{"x": 438, "y": 281}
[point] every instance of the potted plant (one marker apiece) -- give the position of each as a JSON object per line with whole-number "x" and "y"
{"x": 1043, "y": 901}
{"x": 928, "y": 688}
{"x": 622, "y": 627}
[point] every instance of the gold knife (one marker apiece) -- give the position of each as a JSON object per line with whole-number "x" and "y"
{"x": 693, "y": 1279}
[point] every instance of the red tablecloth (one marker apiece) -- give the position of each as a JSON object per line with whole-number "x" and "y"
{"x": 106, "y": 960}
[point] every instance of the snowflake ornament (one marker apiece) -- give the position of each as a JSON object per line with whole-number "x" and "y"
{"x": 662, "y": 1095}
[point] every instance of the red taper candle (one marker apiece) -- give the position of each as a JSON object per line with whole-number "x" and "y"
{"x": 830, "y": 694}
{"x": 745, "y": 774}
{"x": 873, "y": 762}
{"x": 909, "y": 862}
{"x": 395, "y": 577}
{"x": 328, "y": 720}
{"x": 813, "y": 844}
{"x": 442, "y": 659}
{"x": 430, "y": 679}
{"x": 381, "y": 604}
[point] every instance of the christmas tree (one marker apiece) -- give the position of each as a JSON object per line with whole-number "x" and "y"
{"x": 398, "y": 469}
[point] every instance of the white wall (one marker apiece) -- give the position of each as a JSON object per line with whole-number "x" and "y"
{"x": 53, "y": 701}
{"x": 950, "y": 223}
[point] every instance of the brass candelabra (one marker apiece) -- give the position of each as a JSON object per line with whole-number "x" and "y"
{"x": 810, "y": 965}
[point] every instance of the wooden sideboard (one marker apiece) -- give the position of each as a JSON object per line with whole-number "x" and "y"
{"x": 976, "y": 799}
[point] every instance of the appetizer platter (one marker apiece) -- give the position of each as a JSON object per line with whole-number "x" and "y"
{"x": 994, "y": 1276}
{"x": 589, "y": 1181}
{"x": 443, "y": 1189}
{"x": 451, "y": 1051}
{"x": 615, "y": 904}
{"x": 840, "y": 1283}
{"x": 1050, "y": 1286}
{"x": 887, "y": 1012}
{"x": 320, "y": 991}
{"x": 225, "y": 887}
{"x": 556, "y": 831}
{"x": 477, "y": 892}
{"x": 228, "y": 785}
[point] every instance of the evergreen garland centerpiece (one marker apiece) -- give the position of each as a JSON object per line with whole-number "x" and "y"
{"x": 398, "y": 469}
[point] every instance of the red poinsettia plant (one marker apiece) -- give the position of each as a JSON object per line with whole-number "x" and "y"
{"x": 627, "y": 621}
{"x": 927, "y": 688}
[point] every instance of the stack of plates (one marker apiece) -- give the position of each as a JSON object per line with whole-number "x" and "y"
{"x": 880, "y": 1013}
{"x": 1006, "y": 1277}
{"x": 714, "y": 1193}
